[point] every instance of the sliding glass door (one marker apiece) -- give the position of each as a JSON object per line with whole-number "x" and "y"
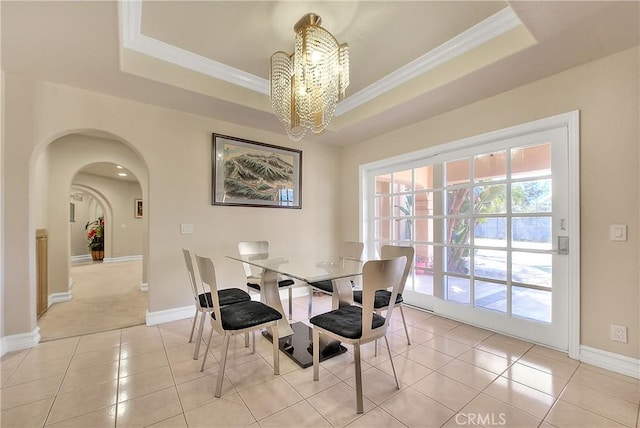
{"x": 489, "y": 224}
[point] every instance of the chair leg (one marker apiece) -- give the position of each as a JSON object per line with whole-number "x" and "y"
{"x": 392, "y": 366}
{"x": 290, "y": 303}
{"x": 253, "y": 342}
{"x": 193, "y": 326}
{"x": 276, "y": 349}
{"x": 197, "y": 351}
{"x": 223, "y": 362}
{"x": 356, "y": 358}
{"x": 405, "y": 325}
{"x": 316, "y": 354}
{"x": 204, "y": 360}
{"x": 246, "y": 339}
{"x": 310, "y": 310}
{"x": 375, "y": 342}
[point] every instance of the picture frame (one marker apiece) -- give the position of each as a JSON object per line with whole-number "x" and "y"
{"x": 139, "y": 208}
{"x": 253, "y": 174}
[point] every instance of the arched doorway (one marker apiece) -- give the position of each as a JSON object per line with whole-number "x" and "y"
{"x": 67, "y": 171}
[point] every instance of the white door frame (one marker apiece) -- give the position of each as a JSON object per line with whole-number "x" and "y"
{"x": 569, "y": 120}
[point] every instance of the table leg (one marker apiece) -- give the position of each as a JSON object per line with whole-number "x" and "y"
{"x": 294, "y": 339}
{"x": 270, "y": 295}
{"x": 342, "y": 293}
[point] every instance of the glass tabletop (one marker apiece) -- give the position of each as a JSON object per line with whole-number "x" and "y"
{"x": 303, "y": 269}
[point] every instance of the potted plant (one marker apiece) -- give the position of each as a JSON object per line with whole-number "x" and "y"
{"x": 95, "y": 236}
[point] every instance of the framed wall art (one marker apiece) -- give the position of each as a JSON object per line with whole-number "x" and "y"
{"x": 248, "y": 173}
{"x": 138, "y": 208}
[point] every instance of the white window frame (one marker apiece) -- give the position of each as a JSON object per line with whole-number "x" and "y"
{"x": 570, "y": 120}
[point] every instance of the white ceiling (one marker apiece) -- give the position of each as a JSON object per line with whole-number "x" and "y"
{"x": 109, "y": 170}
{"x": 211, "y": 57}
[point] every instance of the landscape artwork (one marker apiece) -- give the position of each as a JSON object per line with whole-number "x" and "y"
{"x": 248, "y": 173}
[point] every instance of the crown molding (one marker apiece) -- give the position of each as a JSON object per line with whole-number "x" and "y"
{"x": 475, "y": 36}
{"x": 133, "y": 39}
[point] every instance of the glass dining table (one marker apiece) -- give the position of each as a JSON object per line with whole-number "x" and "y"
{"x": 296, "y": 338}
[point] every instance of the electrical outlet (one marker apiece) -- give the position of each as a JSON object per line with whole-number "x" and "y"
{"x": 618, "y": 333}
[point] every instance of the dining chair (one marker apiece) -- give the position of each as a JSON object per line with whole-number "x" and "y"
{"x": 347, "y": 250}
{"x": 254, "y": 275}
{"x": 383, "y": 297}
{"x": 239, "y": 318}
{"x": 358, "y": 325}
{"x": 204, "y": 301}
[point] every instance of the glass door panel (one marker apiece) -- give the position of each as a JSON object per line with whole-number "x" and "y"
{"x": 483, "y": 222}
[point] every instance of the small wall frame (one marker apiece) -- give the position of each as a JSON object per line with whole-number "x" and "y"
{"x": 138, "y": 208}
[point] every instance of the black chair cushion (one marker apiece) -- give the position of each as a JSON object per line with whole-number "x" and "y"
{"x": 381, "y": 300}
{"x": 227, "y": 296}
{"x": 326, "y": 286}
{"x": 283, "y": 283}
{"x": 246, "y": 314}
{"x": 346, "y": 321}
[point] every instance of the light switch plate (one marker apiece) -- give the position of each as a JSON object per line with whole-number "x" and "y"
{"x": 186, "y": 228}
{"x": 618, "y": 232}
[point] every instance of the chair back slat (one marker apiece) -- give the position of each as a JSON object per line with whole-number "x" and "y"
{"x": 208, "y": 278}
{"x": 393, "y": 251}
{"x": 379, "y": 275}
{"x": 192, "y": 275}
{"x": 351, "y": 250}
{"x": 252, "y": 248}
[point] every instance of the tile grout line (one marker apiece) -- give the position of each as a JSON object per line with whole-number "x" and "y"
{"x": 175, "y": 385}
{"x": 118, "y": 380}
{"x": 589, "y": 410}
{"x": 55, "y": 398}
{"x": 456, "y": 412}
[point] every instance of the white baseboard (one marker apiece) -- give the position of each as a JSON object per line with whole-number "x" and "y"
{"x": 59, "y": 297}
{"x": 608, "y": 360}
{"x": 121, "y": 259}
{"x": 80, "y": 258}
{"x": 144, "y": 286}
{"x": 168, "y": 315}
{"x": 17, "y": 342}
{"x": 87, "y": 257}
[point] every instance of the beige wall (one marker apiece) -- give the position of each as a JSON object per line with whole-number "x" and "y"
{"x": 607, "y": 94}
{"x": 77, "y": 234}
{"x": 176, "y": 149}
{"x": 42, "y": 190}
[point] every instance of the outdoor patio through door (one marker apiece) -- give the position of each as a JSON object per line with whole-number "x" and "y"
{"x": 490, "y": 224}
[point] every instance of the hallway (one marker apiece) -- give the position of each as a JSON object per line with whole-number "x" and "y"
{"x": 106, "y": 296}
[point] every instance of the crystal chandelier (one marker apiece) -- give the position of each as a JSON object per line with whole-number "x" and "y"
{"x": 307, "y": 85}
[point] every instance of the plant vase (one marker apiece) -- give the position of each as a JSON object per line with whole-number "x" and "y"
{"x": 97, "y": 255}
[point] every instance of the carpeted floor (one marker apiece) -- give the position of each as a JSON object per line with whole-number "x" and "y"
{"x": 106, "y": 296}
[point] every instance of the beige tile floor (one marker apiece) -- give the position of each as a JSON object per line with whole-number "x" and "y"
{"x": 451, "y": 375}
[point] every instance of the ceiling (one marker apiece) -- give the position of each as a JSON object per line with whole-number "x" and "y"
{"x": 109, "y": 170}
{"x": 409, "y": 60}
